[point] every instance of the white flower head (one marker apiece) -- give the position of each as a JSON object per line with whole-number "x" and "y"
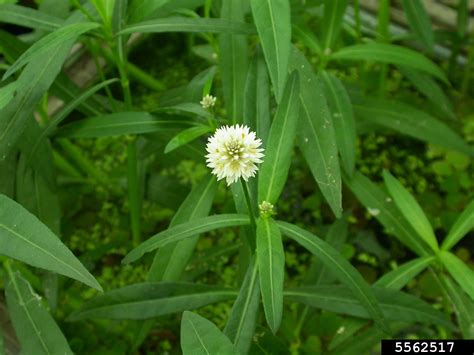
{"x": 208, "y": 101}
{"x": 233, "y": 153}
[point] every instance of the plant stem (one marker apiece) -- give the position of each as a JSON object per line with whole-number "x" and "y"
{"x": 82, "y": 162}
{"x": 249, "y": 204}
{"x": 134, "y": 191}
{"x": 357, "y": 20}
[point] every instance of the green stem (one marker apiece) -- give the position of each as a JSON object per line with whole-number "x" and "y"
{"x": 357, "y": 20}
{"x": 249, "y": 204}
{"x": 138, "y": 74}
{"x": 134, "y": 192}
{"x": 82, "y": 162}
{"x": 93, "y": 48}
{"x": 300, "y": 323}
{"x": 467, "y": 71}
{"x": 64, "y": 166}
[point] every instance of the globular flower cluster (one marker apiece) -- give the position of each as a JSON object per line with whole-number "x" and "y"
{"x": 208, "y": 101}
{"x": 234, "y": 152}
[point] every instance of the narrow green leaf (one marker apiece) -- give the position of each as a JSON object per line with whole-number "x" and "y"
{"x": 332, "y": 21}
{"x": 459, "y": 271}
{"x": 305, "y": 35}
{"x": 140, "y": 9}
{"x": 463, "y": 307}
{"x": 398, "y": 278}
{"x": 316, "y": 136}
{"x": 340, "y": 267}
{"x": 115, "y": 124}
{"x": 36, "y": 330}
{"x": 64, "y": 113}
{"x": 150, "y": 300}
{"x": 390, "y": 53}
{"x": 277, "y": 161}
{"x": 28, "y": 17}
{"x": 419, "y": 21}
{"x": 257, "y": 97}
{"x": 7, "y": 93}
{"x": 64, "y": 34}
{"x": 408, "y": 120}
{"x": 233, "y": 60}
{"x": 335, "y": 237}
{"x": 410, "y": 208}
{"x": 185, "y": 230}
{"x": 343, "y": 119}
{"x": 362, "y": 343}
{"x": 201, "y": 337}
{"x": 395, "y": 305}
{"x": 7, "y": 175}
{"x": 24, "y": 237}
{"x": 186, "y": 24}
{"x": 273, "y": 21}
{"x": 35, "y": 79}
{"x": 380, "y": 205}
{"x": 41, "y": 160}
{"x": 240, "y": 326}
{"x": 430, "y": 89}
{"x": 271, "y": 266}
{"x": 171, "y": 260}
{"x": 460, "y": 228}
{"x": 186, "y": 136}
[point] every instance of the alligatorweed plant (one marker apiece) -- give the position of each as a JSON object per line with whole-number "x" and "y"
{"x": 285, "y": 81}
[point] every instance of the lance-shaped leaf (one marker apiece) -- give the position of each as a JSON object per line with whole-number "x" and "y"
{"x": 201, "y": 337}
{"x": 271, "y": 266}
{"x": 186, "y": 24}
{"x": 316, "y": 137}
{"x": 419, "y": 21}
{"x": 36, "y": 330}
{"x": 460, "y": 228}
{"x": 398, "y": 278}
{"x": 150, "y": 300}
{"x": 339, "y": 267}
{"x": 459, "y": 271}
{"x": 427, "y": 86}
{"x": 273, "y": 22}
{"x": 35, "y": 79}
{"x": 463, "y": 307}
{"x": 63, "y": 114}
{"x": 242, "y": 322}
{"x": 408, "y": 120}
{"x": 186, "y": 136}
{"x": 257, "y": 97}
{"x": 115, "y": 124}
{"x": 7, "y": 93}
{"x": 390, "y": 53}
{"x": 412, "y": 211}
{"x": 332, "y": 21}
{"x": 274, "y": 170}
{"x": 381, "y": 206}
{"x": 186, "y": 230}
{"x": 336, "y": 237}
{"x": 343, "y": 119}
{"x": 395, "y": 305}
{"x": 49, "y": 42}
{"x": 25, "y": 238}
{"x": 171, "y": 260}
{"x": 233, "y": 60}
{"x": 28, "y": 17}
